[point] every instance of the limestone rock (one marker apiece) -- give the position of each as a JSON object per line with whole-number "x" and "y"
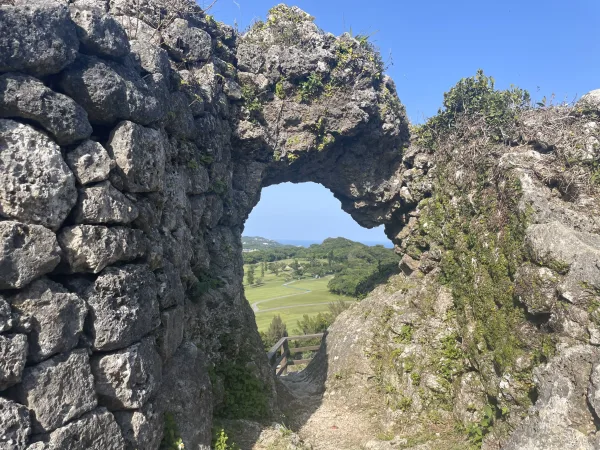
{"x": 591, "y": 100}
{"x": 99, "y": 33}
{"x": 13, "y": 354}
{"x": 139, "y": 154}
{"x": 184, "y": 377}
{"x": 141, "y": 428}
{"x": 90, "y": 248}
{"x": 57, "y": 390}
{"x": 594, "y": 389}
{"x": 6, "y": 321}
{"x": 187, "y": 43}
{"x": 90, "y": 162}
{"x": 180, "y": 121}
{"x": 15, "y": 425}
{"x": 536, "y": 288}
{"x": 110, "y": 91}
{"x": 96, "y": 430}
{"x": 26, "y": 252}
{"x": 37, "y": 39}
{"x": 124, "y": 306}
{"x": 103, "y": 204}
{"x": 170, "y": 289}
{"x": 126, "y": 379}
{"x": 170, "y": 334}
{"x": 51, "y": 315}
{"x": 35, "y": 183}
{"x": 150, "y": 58}
{"x": 26, "y": 97}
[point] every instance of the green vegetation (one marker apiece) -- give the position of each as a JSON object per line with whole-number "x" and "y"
{"x": 357, "y": 268}
{"x": 245, "y": 396}
{"x": 171, "y": 438}
{"x": 220, "y": 439}
{"x": 311, "y": 88}
{"x": 475, "y": 98}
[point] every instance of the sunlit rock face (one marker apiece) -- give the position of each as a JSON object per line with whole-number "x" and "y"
{"x": 135, "y": 139}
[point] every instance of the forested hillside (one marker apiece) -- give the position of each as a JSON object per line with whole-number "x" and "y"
{"x": 357, "y": 268}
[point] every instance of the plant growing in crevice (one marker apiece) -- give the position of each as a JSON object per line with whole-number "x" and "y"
{"x": 171, "y": 438}
{"x": 311, "y": 88}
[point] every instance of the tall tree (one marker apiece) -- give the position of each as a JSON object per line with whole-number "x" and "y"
{"x": 277, "y": 330}
{"x": 262, "y": 269}
{"x": 250, "y": 276}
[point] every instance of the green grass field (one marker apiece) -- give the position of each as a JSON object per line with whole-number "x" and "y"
{"x": 291, "y": 302}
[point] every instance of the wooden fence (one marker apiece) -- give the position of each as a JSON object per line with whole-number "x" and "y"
{"x": 280, "y": 355}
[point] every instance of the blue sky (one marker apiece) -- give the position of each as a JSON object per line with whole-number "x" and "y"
{"x": 546, "y": 46}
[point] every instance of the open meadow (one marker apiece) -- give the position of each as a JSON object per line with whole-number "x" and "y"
{"x": 289, "y": 299}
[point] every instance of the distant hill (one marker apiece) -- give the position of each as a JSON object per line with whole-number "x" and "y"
{"x": 254, "y": 243}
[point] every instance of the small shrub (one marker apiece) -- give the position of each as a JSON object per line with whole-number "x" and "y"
{"x": 171, "y": 438}
{"x": 311, "y": 88}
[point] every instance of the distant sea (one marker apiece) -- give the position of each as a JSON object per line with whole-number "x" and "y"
{"x": 308, "y": 243}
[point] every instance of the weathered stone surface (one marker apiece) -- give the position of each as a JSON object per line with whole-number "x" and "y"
{"x": 109, "y": 92}
{"x": 180, "y": 121}
{"x": 536, "y": 288}
{"x": 26, "y": 252}
{"x": 99, "y": 33}
{"x": 36, "y": 185}
{"x": 6, "y": 321}
{"x": 103, "y": 204}
{"x": 591, "y": 100}
{"x": 594, "y": 389}
{"x": 142, "y": 429}
{"x": 187, "y": 43}
{"x": 96, "y": 430}
{"x": 149, "y": 57}
{"x": 561, "y": 418}
{"x": 89, "y": 162}
{"x": 57, "y": 390}
{"x": 124, "y": 306}
{"x": 25, "y": 97}
{"x": 170, "y": 333}
{"x": 15, "y": 425}
{"x": 185, "y": 376}
{"x": 170, "y": 289}
{"x": 126, "y": 379}
{"x": 52, "y": 316}
{"x": 90, "y": 248}
{"x": 37, "y": 39}
{"x": 139, "y": 154}
{"x": 13, "y": 355}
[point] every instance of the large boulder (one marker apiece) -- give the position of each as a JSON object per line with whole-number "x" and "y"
{"x": 90, "y": 162}
{"x": 51, "y": 315}
{"x": 126, "y": 379}
{"x": 13, "y": 355}
{"x": 25, "y": 97}
{"x": 103, "y": 204}
{"x": 36, "y": 185}
{"x": 110, "y": 91}
{"x": 141, "y": 428}
{"x": 99, "y": 32}
{"x": 58, "y": 390}
{"x": 26, "y": 252}
{"x": 96, "y": 430}
{"x": 15, "y": 425}
{"x": 90, "y": 248}
{"x": 123, "y": 306}
{"x": 187, "y": 43}
{"x": 37, "y": 39}
{"x": 139, "y": 154}
{"x": 185, "y": 377}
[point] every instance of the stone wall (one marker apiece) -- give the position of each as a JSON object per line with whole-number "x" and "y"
{"x": 135, "y": 136}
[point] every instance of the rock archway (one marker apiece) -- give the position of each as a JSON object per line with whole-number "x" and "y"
{"x": 134, "y": 141}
